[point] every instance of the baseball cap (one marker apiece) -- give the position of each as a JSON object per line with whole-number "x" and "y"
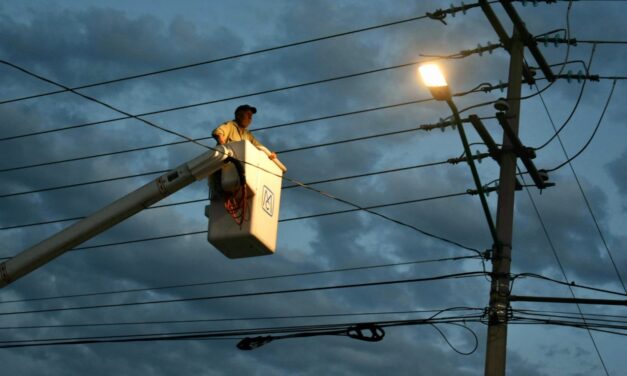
{"x": 246, "y": 107}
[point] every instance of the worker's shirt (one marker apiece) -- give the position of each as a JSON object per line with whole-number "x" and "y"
{"x": 232, "y": 132}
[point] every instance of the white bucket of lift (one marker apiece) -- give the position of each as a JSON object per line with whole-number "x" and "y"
{"x": 257, "y": 233}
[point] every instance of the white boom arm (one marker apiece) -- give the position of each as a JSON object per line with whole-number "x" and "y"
{"x": 136, "y": 201}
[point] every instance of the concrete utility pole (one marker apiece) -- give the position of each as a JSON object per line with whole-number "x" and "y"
{"x": 501, "y": 256}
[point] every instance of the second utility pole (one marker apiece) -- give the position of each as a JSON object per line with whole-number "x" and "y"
{"x": 501, "y": 256}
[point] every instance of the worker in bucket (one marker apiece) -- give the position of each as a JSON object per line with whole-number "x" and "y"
{"x": 237, "y": 129}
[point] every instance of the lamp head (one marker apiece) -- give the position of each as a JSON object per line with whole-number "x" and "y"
{"x": 434, "y": 79}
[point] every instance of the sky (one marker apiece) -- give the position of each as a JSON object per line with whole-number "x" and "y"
{"x": 77, "y": 43}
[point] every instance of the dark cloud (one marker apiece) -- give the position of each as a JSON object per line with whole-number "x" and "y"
{"x": 77, "y": 46}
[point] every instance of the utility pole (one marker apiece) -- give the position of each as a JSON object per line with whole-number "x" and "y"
{"x": 501, "y": 256}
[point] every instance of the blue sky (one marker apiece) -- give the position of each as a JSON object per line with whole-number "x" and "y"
{"x": 77, "y": 43}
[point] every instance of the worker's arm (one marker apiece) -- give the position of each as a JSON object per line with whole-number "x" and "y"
{"x": 259, "y": 146}
{"x": 220, "y": 139}
{"x": 270, "y": 154}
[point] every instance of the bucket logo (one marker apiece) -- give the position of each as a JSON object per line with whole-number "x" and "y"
{"x": 267, "y": 201}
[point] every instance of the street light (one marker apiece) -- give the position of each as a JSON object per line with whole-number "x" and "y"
{"x": 434, "y": 79}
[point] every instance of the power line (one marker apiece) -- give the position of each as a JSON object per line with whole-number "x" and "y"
{"x": 178, "y": 108}
{"x": 367, "y": 209}
{"x": 569, "y": 316}
{"x": 575, "y": 324}
{"x": 342, "y": 329}
{"x": 326, "y": 117}
{"x": 571, "y": 284}
{"x": 588, "y": 314}
{"x": 45, "y": 222}
{"x": 322, "y": 193}
{"x": 583, "y": 194}
{"x": 438, "y": 14}
{"x": 250, "y": 318}
{"x": 570, "y": 116}
{"x": 183, "y": 107}
{"x": 211, "y": 283}
{"x": 596, "y": 128}
{"x": 285, "y": 151}
{"x": 563, "y": 271}
{"x": 260, "y": 293}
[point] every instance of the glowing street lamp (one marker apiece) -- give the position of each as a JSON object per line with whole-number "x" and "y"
{"x": 434, "y": 79}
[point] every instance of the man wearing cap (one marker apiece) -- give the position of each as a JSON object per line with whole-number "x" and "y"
{"x": 237, "y": 129}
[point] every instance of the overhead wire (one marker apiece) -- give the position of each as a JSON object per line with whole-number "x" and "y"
{"x": 583, "y": 194}
{"x": 563, "y": 271}
{"x": 250, "y": 53}
{"x": 292, "y": 180}
{"x": 588, "y": 314}
{"x": 460, "y": 275}
{"x": 570, "y": 284}
{"x": 223, "y": 319}
{"x": 326, "y": 117}
{"x": 178, "y": 108}
{"x": 328, "y": 180}
{"x": 556, "y": 134}
{"x": 573, "y": 316}
{"x": 317, "y": 215}
{"x": 302, "y": 331}
{"x": 239, "y": 280}
{"x": 284, "y": 151}
{"x": 596, "y": 128}
{"x": 572, "y": 112}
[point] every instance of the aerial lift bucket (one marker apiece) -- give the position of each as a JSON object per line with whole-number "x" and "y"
{"x": 245, "y": 197}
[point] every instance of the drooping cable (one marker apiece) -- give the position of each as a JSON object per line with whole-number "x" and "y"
{"x": 596, "y": 128}
{"x": 572, "y": 112}
{"x": 562, "y": 270}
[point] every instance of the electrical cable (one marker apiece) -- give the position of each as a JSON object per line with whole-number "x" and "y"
{"x": 574, "y": 324}
{"x": 572, "y": 168}
{"x": 251, "y": 318}
{"x": 302, "y": 185}
{"x": 572, "y": 112}
{"x": 475, "y": 346}
{"x": 183, "y": 107}
{"x": 596, "y": 128}
{"x": 570, "y": 284}
{"x": 563, "y": 271}
{"x": 232, "y": 57}
{"x": 572, "y": 316}
{"x": 239, "y": 280}
{"x": 588, "y": 314}
{"x": 285, "y": 151}
{"x": 45, "y": 222}
{"x": 296, "y": 219}
{"x": 251, "y": 294}
{"x": 326, "y": 117}
{"x": 301, "y": 331}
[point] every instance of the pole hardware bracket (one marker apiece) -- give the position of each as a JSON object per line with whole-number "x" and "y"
{"x": 523, "y": 153}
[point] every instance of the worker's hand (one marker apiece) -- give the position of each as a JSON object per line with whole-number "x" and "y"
{"x": 220, "y": 139}
{"x": 272, "y": 155}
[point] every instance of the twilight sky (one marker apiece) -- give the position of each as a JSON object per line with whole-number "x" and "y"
{"x": 77, "y": 43}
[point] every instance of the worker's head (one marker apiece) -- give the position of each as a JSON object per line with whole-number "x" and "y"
{"x": 244, "y": 115}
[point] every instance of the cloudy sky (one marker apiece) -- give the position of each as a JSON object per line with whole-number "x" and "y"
{"x": 78, "y": 43}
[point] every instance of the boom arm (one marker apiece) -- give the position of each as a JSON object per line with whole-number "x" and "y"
{"x": 136, "y": 201}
